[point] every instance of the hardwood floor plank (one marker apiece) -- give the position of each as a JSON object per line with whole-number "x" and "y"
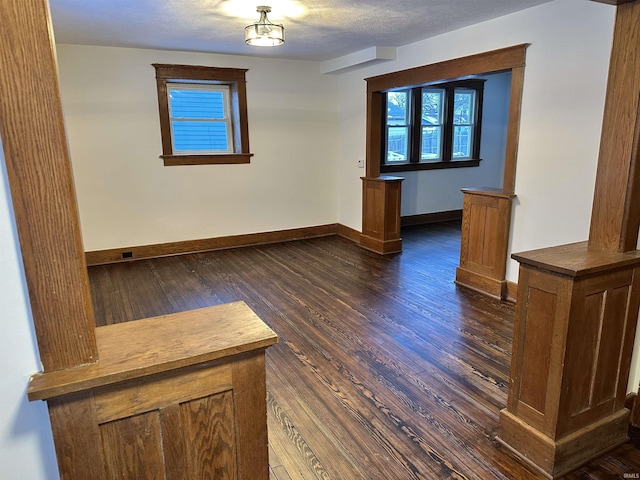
{"x": 293, "y": 435}
{"x": 385, "y": 369}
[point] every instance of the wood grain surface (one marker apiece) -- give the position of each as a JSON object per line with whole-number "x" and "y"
{"x": 42, "y": 189}
{"x": 160, "y": 344}
{"x": 615, "y": 216}
{"x": 576, "y": 259}
{"x": 384, "y": 368}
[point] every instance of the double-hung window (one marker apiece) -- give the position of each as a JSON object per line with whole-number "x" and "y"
{"x": 464, "y": 123}
{"x": 433, "y": 126}
{"x": 398, "y": 126}
{"x": 200, "y": 118}
{"x": 203, "y": 114}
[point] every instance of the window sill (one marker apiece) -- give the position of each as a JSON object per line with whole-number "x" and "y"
{"x": 407, "y": 167}
{"x": 228, "y": 158}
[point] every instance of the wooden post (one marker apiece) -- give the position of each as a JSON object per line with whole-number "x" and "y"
{"x": 615, "y": 217}
{"x": 42, "y": 188}
{"x": 189, "y": 400}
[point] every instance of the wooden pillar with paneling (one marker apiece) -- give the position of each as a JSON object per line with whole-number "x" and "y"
{"x": 577, "y": 304}
{"x": 180, "y": 396}
{"x": 573, "y": 339}
{"x": 381, "y": 214}
{"x": 484, "y": 240}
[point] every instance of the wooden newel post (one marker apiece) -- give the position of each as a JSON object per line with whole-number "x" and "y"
{"x": 577, "y": 305}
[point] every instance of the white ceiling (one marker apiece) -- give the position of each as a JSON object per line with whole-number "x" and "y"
{"x": 319, "y": 30}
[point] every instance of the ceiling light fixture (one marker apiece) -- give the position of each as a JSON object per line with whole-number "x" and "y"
{"x": 264, "y": 33}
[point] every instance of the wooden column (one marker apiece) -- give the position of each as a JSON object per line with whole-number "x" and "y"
{"x": 577, "y": 304}
{"x": 486, "y": 217}
{"x": 615, "y": 217}
{"x": 381, "y": 214}
{"x": 42, "y": 188}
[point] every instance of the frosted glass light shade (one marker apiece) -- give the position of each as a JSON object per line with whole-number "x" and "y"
{"x": 264, "y": 33}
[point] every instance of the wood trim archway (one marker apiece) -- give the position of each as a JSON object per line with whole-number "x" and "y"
{"x": 486, "y": 213}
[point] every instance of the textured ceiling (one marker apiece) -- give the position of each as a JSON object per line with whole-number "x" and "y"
{"x": 319, "y": 30}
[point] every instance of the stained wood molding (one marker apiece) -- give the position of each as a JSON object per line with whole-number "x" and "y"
{"x": 492, "y": 61}
{"x": 512, "y": 292}
{"x": 206, "y": 334}
{"x": 632, "y": 404}
{"x": 510, "y": 58}
{"x": 573, "y": 339}
{"x": 425, "y": 218}
{"x": 614, "y": 2}
{"x": 125, "y": 254}
{"x": 375, "y": 217}
{"x": 349, "y": 233}
{"x": 178, "y": 436}
{"x": 513, "y": 129}
{"x": 234, "y": 78}
{"x": 578, "y": 304}
{"x": 381, "y": 214}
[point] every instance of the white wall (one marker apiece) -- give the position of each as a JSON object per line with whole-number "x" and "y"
{"x": 26, "y": 444}
{"x": 127, "y": 197}
{"x": 562, "y": 108}
{"x": 431, "y": 191}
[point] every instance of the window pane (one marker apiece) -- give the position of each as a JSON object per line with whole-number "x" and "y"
{"x": 397, "y": 107}
{"x": 463, "y": 120}
{"x": 431, "y": 134}
{"x": 196, "y": 104}
{"x": 463, "y": 107}
{"x": 199, "y": 136}
{"x": 431, "y": 143}
{"x": 461, "y": 142}
{"x": 397, "y": 144}
{"x": 432, "y": 106}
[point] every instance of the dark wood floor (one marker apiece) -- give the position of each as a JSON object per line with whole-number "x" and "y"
{"x": 384, "y": 369}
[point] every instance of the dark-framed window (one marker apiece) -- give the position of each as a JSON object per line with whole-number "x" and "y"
{"x": 203, "y": 114}
{"x": 432, "y": 126}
